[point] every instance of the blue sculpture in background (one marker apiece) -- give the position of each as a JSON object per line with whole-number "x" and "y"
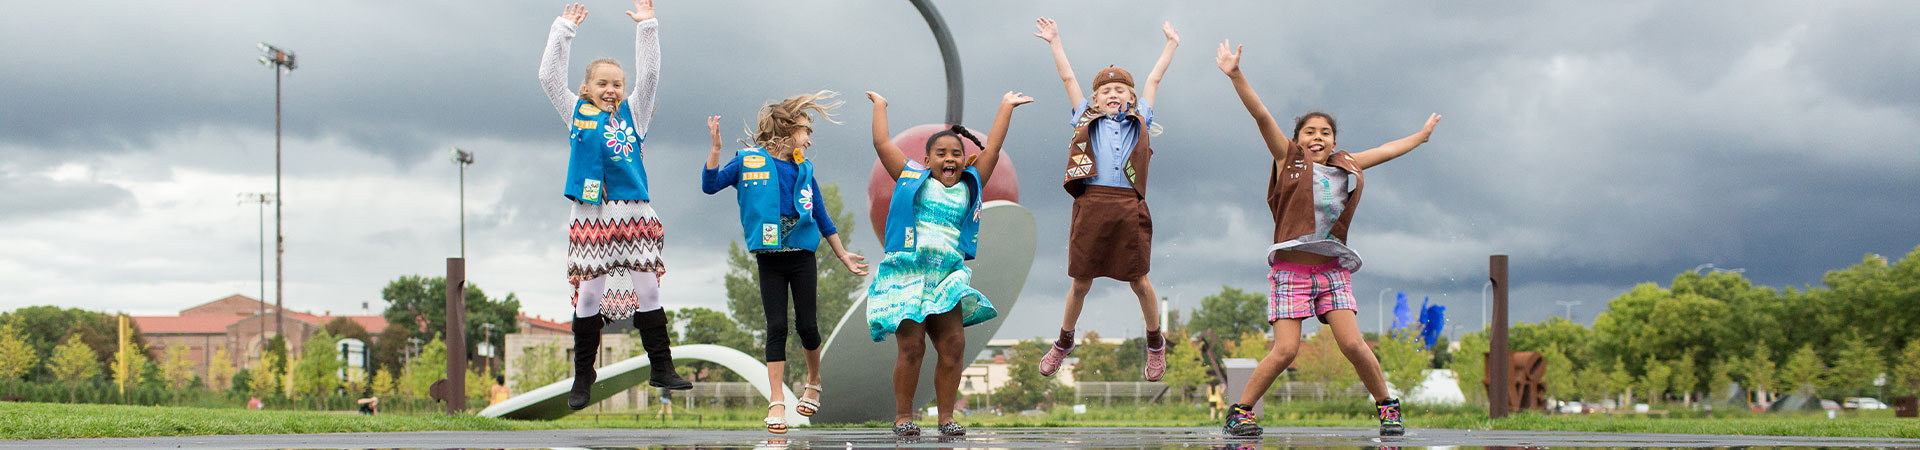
{"x": 1402, "y": 315}
{"x": 1433, "y": 318}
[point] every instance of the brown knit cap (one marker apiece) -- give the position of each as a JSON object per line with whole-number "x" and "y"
{"x": 1112, "y": 74}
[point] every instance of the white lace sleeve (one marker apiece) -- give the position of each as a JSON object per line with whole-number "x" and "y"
{"x": 553, "y": 69}
{"x": 646, "y": 43}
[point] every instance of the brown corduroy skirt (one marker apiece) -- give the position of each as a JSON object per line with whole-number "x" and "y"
{"x": 1112, "y": 235}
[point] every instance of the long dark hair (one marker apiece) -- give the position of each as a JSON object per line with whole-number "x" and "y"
{"x": 955, "y": 131}
{"x": 1301, "y": 122}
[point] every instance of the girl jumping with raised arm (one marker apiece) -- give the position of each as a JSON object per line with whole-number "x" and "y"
{"x": 923, "y": 290}
{"x": 614, "y": 237}
{"x": 1312, "y": 192}
{"x": 784, "y": 221}
{"x": 1112, "y": 231}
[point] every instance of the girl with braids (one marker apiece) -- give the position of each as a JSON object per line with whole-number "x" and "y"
{"x": 1312, "y": 191}
{"x": 614, "y": 238}
{"x": 922, "y": 290}
{"x": 784, "y": 221}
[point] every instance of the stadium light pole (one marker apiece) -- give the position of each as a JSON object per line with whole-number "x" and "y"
{"x": 282, "y": 62}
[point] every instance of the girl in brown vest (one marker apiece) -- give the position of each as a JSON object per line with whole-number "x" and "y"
{"x": 1112, "y": 232}
{"x": 1312, "y": 193}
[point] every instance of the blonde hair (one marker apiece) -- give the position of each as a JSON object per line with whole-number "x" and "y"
{"x": 777, "y": 121}
{"x": 588, "y": 79}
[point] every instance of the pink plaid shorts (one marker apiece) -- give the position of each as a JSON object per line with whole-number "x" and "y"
{"x": 1301, "y": 291}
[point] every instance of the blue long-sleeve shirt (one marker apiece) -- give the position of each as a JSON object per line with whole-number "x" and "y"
{"x": 714, "y": 180}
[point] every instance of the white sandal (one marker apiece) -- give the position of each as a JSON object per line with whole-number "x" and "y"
{"x": 777, "y": 425}
{"x": 808, "y": 406}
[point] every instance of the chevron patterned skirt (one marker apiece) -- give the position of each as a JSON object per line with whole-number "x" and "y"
{"x": 614, "y": 239}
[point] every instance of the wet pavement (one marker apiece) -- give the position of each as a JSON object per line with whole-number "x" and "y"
{"x": 978, "y": 438}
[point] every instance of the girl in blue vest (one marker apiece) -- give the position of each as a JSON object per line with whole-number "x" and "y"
{"x": 784, "y": 221}
{"x": 613, "y": 238}
{"x": 1312, "y": 192}
{"x": 923, "y": 290}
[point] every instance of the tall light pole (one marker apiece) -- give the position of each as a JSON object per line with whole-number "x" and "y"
{"x": 282, "y": 63}
{"x": 262, "y": 199}
{"x": 1569, "y": 305}
{"x": 463, "y": 159}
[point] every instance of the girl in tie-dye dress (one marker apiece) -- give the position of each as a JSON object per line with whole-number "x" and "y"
{"x": 922, "y": 289}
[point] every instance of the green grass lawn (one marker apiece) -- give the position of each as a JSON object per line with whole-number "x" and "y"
{"x": 51, "y": 420}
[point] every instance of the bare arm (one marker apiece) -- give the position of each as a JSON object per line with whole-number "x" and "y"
{"x": 890, "y": 156}
{"x": 646, "y": 49}
{"x": 1159, "y": 67}
{"x": 854, "y": 262}
{"x": 1389, "y": 151}
{"x": 990, "y": 156}
{"x": 713, "y": 156}
{"x": 553, "y": 61}
{"x": 1050, "y": 32}
{"x": 1277, "y": 142}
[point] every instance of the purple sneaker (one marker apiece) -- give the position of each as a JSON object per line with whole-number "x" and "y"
{"x": 1051, "y": 362}
{"x": 1156, "y": 362}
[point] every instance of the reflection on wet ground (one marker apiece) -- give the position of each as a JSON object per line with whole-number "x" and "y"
{"x": 1014, "y": 438}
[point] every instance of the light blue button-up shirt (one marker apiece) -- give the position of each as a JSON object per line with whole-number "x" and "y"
{"x": 1113, "y": 139}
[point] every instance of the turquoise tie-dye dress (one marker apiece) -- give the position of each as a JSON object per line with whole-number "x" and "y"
{"x": 930, "y": 279}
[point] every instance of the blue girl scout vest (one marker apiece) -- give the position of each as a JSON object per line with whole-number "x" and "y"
{"x": 759, "y": 196}
{"x": 900, "y": 218}
{"x": 605, "y": 162}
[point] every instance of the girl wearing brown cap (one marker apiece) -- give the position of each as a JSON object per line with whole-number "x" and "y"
{"x": 1112, "y": 232}
{"x": 1312, "y": 192}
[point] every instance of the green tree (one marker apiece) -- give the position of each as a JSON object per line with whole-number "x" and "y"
{"x": 1320, "y": 361}
{"x": 220, "y": 369}
{"x": 1802, "y": 369}
{"x": 128, "y": 363}
{"x": 834, "y": 291}
{"x": 1874, "y": 299}
{"x": 277, "y": 346}
{"x": 1619, "y": 381}
{"x": 241, "y": 383}
{"x": 1185, "y": 368}
{"x": 1593, "y": 383}
{"x": 1252, "y": 345}
{"x": 1854, "y": 367}
{"x": 1099, "y": 361}
{"x": 390, "y": 347}
{"x": 383, "y": 385}
{"x": 264, "y": 380}
{"x": 1655, "y": 380}
{"x": 1572, "y": 338}
{"x": 708, "y": 326}
{"x": 1651, "y": 323}
{"x": 1231, "y": 312}
{"x": 1906, "y": 369}
{"x": 178, "y": 367}
{"x": 1026, "y": 388}
{"x": 1470, "y": 367}
{"x": 1755, "y": 314}
{"x": 46, "y": 327}
{"x": 16, "y": 356}
{"x": 1758, "y": 372}
{"x": 414, "y": 299}
{"x": 431, "y": 366}
{"x": 541, "y": 365}
{"x": 1719, "y": 378}
{"x": 318, "y": 372}
{"x": 1686, "y": 379}
{"x": 1561, "y": 384}
{"x": 1405, "y": 365}
{"x": 72, "y": 363}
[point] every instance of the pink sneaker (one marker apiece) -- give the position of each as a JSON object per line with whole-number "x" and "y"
{"x": 1051, "y": 362}
{"x": 1156, "y": 362}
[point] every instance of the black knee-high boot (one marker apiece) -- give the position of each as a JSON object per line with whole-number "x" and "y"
{"x": 586, "y": 346}
{"x": 654, "y": 338}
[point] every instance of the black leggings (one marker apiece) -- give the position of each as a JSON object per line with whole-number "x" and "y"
{"x": 779, "y": 273}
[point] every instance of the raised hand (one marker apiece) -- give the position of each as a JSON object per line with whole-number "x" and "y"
{"x": 1173, "y": 36}
{"x": 876, "y": 99}
{"x": 575, "y": 13}
{"x": 1229, "y": 61}
{"x": 1048, "y": 30}
{"x": 1015, "y": 99}
{"x": 713, "y": 126}
{"x": 642, "y": 11}
{"x": 1427, "y": 131}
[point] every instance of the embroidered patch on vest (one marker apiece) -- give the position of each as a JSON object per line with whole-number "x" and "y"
{"x": 769, "y": 234}
{"x": 909, "y": 174}
{"x": 589, "y": 110}
{"x": 909, "y": 237}
{"x": 754, "y": 161}
{"x": 1129, "y": 172}
{"x": 806, "y": 200}
{"x": 590, "y": 191}
{"x": 1082, "y": 159}
{"x": 586, "y": 124}
{"x": 751, "y": 176}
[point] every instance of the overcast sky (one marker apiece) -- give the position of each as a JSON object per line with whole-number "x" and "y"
{"x": 1601, "y": 144}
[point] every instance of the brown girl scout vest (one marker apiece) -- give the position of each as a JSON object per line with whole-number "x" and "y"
{"x": 1290, "y": 196}
{"x": 1080, "y": 160}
